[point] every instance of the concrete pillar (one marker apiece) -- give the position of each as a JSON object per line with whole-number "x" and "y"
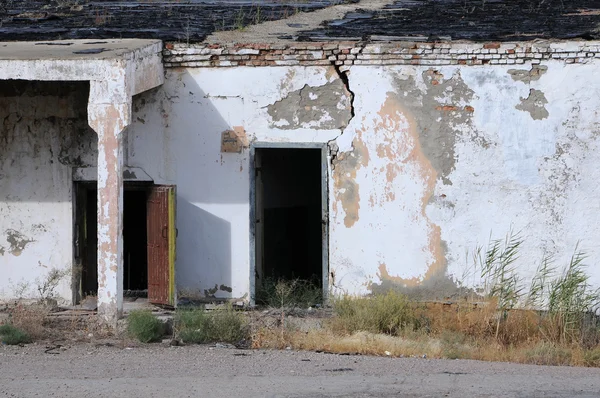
{"x": 109, "y": 121}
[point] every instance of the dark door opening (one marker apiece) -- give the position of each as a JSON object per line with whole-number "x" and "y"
{"x": 290, "y": 224}
{"x": 135, "y": 241}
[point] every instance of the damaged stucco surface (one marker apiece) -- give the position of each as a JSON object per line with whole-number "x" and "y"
{"x": 183, "y": 123}
{"x": 323, "y": 107}
{"x": 43, "y": 135}
{"x": 428, "y": 162}
{"x": 456, "y": 155}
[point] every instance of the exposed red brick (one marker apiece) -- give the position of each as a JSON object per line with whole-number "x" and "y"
{"x": 469, "y": 108}
{"x": 491, "y": 45}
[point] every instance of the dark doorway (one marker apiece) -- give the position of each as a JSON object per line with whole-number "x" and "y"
{"x": 135, "y": 253}
{"x": 290, "y": 225}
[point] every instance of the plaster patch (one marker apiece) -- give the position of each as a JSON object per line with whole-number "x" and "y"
{"x": 17, "y": 242}
{"x": 527, "y": 76}
{"x": 324, "y": 107}
{"x": 440, "y": 111}
{"x": 535, "y": 104}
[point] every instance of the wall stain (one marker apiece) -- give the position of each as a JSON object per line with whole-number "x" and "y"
{"x": 17, "y": 242}
{"x": 535, "y": 104}
{"x": 345, "y": 166}
{"x": 225, "y": 288}
{"x": 396, "y": 116}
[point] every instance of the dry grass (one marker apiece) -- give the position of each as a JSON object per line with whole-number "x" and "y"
{"x": 392, "y": 325}
{"x": 32, "y": 319}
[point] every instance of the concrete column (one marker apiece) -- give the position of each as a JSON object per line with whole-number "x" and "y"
{"x": 109, "y": 121}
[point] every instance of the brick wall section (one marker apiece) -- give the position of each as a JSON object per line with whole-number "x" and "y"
{"x": 345, "y": 54}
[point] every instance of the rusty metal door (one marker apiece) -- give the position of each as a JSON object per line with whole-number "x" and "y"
{"x": 161, "y": 245}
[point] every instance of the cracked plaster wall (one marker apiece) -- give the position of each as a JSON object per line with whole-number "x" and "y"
{"x": 43, "y": 135}
{"x": 430, "y": 162}
{"x": 451, "y": 155}
{"x": 433, "y": 161}
{"x": 182, "y": 124}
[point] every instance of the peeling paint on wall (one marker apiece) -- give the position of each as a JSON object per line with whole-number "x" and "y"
{"x": 535, "y": 104}
{"x": 325, "y": 107}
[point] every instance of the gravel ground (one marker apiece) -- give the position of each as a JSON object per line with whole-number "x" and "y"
{"x": 94, "y": 370}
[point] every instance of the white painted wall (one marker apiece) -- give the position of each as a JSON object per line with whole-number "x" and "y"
{"x": 509, "y": 171}
{"x": 519, "y": 179}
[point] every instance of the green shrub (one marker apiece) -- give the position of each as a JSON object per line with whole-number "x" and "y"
{"x": 389, "y": 313}
{"x": 144, "y": 326}
{"x": 11, "y": 335}
{"x": 198, "y": 326}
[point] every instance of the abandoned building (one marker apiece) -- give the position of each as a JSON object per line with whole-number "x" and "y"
{"x": 360, "y": 144}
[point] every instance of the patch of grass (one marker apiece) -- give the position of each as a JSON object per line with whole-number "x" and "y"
{"x": 284, "y": 294}
{"x": 11, "y": 335}
{"x": 389, "y": 313}
{"x": 455, "y": 345}
{"x": 198, "y": 326}
{"x": 592, "y": 357}
{"x": 144, "y": 326}
{"x": 545, "y": 353}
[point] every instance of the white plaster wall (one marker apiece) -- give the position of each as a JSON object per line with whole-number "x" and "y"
{"x": 407, "y": 225}
{"x": 43, "y": 134}
{"x": 179, "y": 142}
{"x": 534, "y": 176}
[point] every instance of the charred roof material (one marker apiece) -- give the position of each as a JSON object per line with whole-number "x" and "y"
{"x": 173, "y": 20}
{"x": 473, "y": 20}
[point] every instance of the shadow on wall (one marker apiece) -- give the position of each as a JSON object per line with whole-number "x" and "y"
{"x": 207, "y": 238}
{"x": 212, "y": 187}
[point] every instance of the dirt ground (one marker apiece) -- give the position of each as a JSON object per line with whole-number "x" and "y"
{"x": 115, "y": 369}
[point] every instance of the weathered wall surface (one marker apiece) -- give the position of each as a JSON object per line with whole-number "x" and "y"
{"x": 439, "y": 159}
{"x": 182, "y": 124}
{"x": 433, "y": 162}
{"x": 43, "y": 135}
{"x": 427, "y": 163}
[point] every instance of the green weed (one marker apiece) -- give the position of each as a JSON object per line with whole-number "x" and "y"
{"x": 144, "y": 326}
{"x": 12, "y": 335}
{"x": 198, "y": 326}
{"x": 389, "y": 313}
